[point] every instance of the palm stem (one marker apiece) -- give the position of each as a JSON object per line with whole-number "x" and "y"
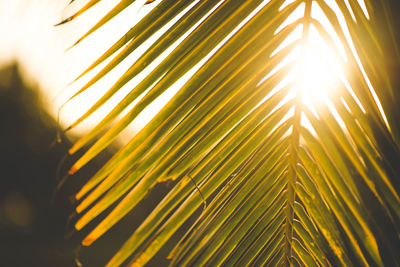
{"x": 294, "y": 159}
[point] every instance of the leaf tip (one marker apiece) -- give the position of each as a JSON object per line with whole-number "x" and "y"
{"x": 64, "y": 21}
{"x": 73, "y": 170}
{"x": 87, "y": 241}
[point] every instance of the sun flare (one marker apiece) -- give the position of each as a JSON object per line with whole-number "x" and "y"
{"x": 319, "y": 63}
{"x": 319, "y": 74}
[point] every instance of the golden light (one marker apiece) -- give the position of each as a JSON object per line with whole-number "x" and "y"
{"x": 321, "y": 65}
{"x": 43, "y": 54}
{"x": 320, "y": 62}
{"x": 319, "y": 74}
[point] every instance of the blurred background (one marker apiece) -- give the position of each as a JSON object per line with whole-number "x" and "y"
{"x": 36, "y": 66}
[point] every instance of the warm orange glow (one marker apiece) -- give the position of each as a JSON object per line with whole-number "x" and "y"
{"x": 320, "y": 74}
{"x": 35, "y": 42}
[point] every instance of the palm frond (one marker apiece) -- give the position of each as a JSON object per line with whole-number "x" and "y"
{"x": 281, "y": 182}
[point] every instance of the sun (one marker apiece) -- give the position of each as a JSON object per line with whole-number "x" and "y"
{"x": 320, "y": 74}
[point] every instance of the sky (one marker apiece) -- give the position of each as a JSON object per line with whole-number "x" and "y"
{"x": 45, "y": 56}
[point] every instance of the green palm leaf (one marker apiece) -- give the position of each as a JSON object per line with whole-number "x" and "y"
{"x": 280, "y": 181}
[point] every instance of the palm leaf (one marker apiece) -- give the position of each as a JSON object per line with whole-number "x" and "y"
{"x": 234, "y": 137}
